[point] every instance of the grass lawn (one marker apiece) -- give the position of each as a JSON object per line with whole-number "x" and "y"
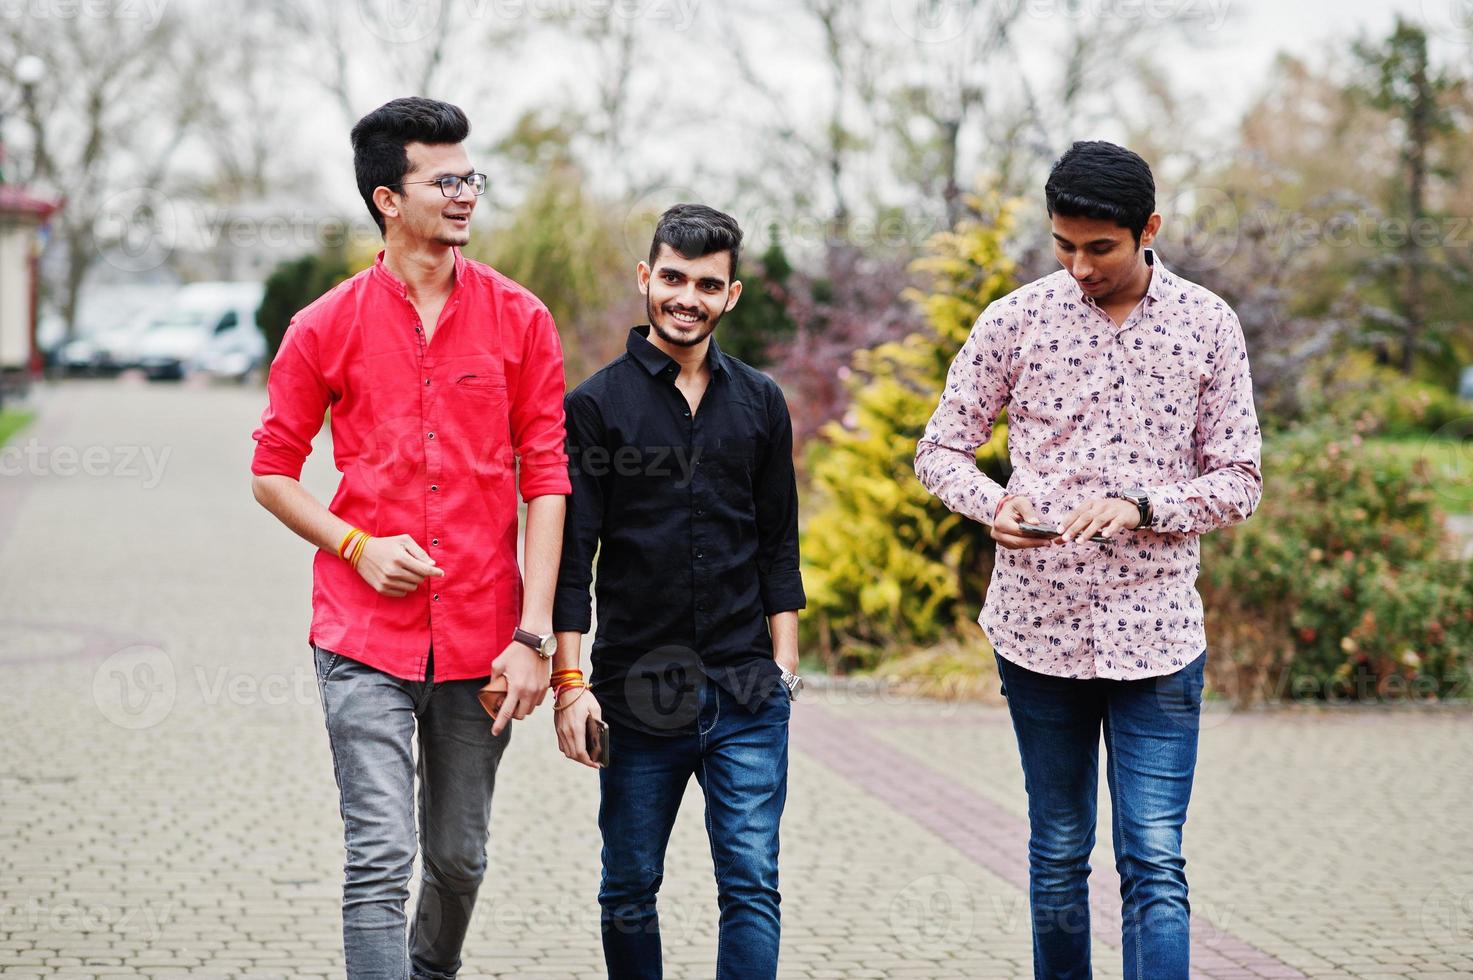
{"x": 1449, "y": 466}
{"x": 12, "y": 420}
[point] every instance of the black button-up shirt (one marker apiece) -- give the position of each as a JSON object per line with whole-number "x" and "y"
{"x": 695, "y": 521}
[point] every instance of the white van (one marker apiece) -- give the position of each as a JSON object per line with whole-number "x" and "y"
{"x": 208, "y": 327}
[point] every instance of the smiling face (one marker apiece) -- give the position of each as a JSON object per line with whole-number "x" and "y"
{"x": 420, "y": 212}
{"x": 685, "y": 298}
{"x": 1103, "y": 257}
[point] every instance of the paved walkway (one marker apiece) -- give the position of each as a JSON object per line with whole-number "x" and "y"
{"x": 167, "y": 805}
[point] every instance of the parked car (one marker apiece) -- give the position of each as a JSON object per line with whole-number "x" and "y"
{"x": 210, "y": 327}
{"x": 110, "y": 319}
{"x": 1465, "y": 384}
{"x": 108, "y": 351}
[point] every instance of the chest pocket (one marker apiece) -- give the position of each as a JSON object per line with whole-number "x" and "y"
{"x": 1166, "y": 408}
{"x": 736, "y": 460}
{"x": 479, "y": 404}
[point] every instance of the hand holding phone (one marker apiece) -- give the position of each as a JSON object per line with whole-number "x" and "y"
{"x": 1039, "y": 531}
{"x": 598, "y": 741}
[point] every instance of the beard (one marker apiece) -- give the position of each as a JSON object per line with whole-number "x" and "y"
{"x": 701, "y": 329}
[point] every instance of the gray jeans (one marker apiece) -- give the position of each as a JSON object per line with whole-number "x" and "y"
{"x": 371, "y": 724}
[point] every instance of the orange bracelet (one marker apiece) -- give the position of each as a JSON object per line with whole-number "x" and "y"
{"x": 569, "y": 686}
{"x": 358, "y": 550}
{"x": 347, "y": 540}
{"x": 560, "y": 707}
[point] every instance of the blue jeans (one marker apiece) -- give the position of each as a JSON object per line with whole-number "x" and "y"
{"x": 371, "y": 721}
{"x": 1150, "y": 730}
{"x": 740, "y": 759}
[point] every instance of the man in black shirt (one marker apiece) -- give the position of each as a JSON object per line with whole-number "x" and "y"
{"x": 682, "y": 473}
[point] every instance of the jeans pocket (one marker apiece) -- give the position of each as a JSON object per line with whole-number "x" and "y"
{"x": 325, "y": 661}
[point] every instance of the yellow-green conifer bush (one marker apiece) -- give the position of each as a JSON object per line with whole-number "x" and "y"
{"x": 886, "y": 565}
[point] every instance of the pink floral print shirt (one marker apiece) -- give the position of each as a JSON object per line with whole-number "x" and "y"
{"x": 1163, "y": 402}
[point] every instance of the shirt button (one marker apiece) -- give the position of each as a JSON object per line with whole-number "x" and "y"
{"x": 427, "y": 382}
{"x": 700, "y": 512}
{"x": 434, "y": 487}
{"x": 432, "y": 435}
{"x": 700, "y": 554}
{"x": 434, "y": 541}
{"x": 437, "y": 597}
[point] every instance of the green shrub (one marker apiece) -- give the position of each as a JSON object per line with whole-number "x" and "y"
{"x": 886, "y": 565}
{"x": 1373, "y": 399}
{"x": 292, "y": 286}
{"x": 1340, "y": 587}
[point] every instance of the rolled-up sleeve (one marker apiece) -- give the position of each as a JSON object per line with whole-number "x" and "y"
{"x": 297, "y": 400}
{"x": 776, "y": 488}
{"x": 1230, "y": 444}
{"x": 537, "y": 421}
{"x": 977, "y": 388}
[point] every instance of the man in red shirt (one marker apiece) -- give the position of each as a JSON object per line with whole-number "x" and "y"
{"x": 443, "y": 381}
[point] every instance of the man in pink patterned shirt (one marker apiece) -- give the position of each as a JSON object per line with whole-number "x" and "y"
{"x": 1131, "y": 431}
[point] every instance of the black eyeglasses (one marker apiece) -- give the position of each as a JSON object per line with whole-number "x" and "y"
{"x": 451, "y": 184}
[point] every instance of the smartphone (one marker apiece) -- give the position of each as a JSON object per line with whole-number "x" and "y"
{"x": 598, "y": 742}
{"x": 1039, "y": 531}
{"x": 493, "y": 695}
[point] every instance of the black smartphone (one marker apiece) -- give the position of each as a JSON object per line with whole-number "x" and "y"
{"x": 598, "y": 742}
{"x": 1039, "y": 531}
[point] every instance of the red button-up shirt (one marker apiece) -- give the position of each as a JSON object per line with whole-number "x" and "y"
{"x": 428, "y": 437}
{"x": 1163, "y": 402}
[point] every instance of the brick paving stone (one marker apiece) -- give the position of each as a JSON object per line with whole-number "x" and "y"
{"x": 169, "y": 809}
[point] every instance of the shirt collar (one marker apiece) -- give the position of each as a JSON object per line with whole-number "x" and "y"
{"x": 655, "y": 361}
{"x": 384, "y": 276}
{"x": 1161, "y": 280}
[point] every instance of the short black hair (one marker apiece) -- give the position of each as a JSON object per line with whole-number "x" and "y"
{"x": 695, "y": 230}
{"x": 379, "y": 138}
{"x": 1095, "y": 179}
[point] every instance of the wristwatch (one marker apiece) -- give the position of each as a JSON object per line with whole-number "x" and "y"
{"x": 1142, "y": 502}
{"x": 792, "y": 682}
{"x": 545, "y": 646}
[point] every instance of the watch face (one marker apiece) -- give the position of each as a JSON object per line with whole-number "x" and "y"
{"x": 549, "y": 645}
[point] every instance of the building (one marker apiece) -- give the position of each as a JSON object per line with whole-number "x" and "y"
{"x": 23, "y": 221}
